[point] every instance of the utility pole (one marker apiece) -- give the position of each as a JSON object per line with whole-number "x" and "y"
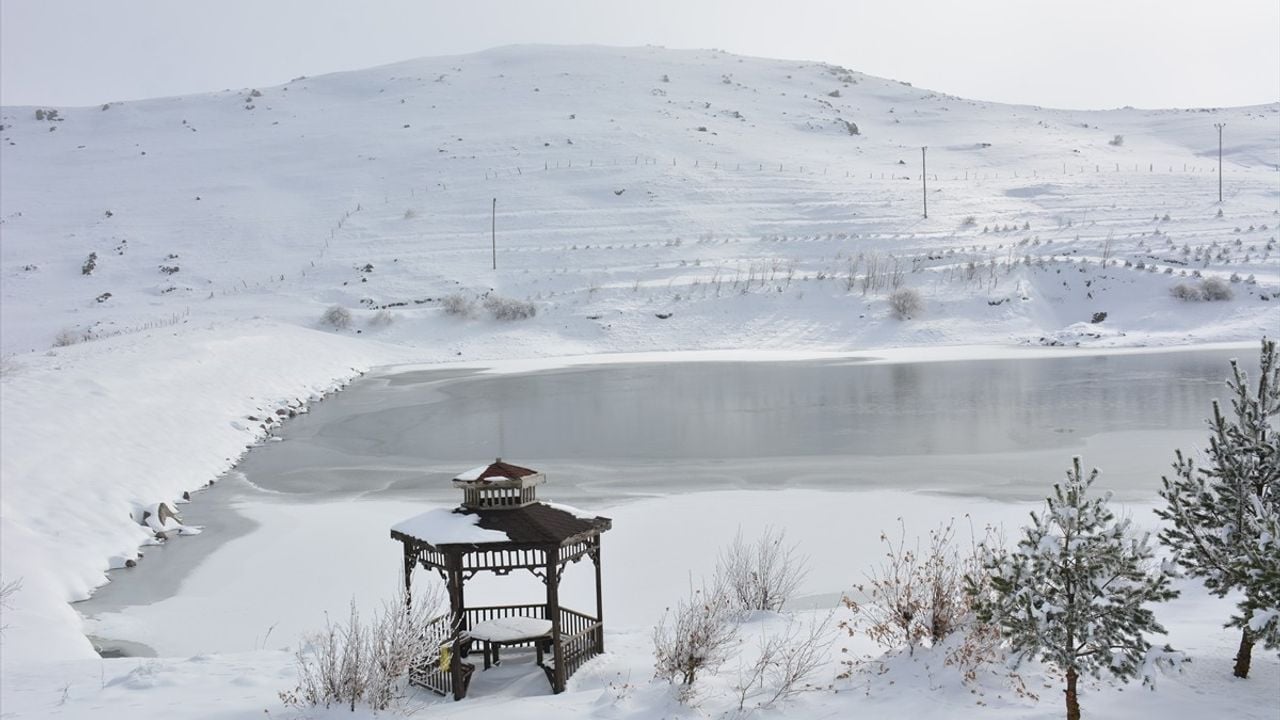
{"x": 924, "y": 180}
{"x": 493, "y": 232}
{"x": 1219, "y": 126}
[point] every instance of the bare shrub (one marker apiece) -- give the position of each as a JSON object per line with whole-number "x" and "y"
{"x": 1215, "y": 288}
{"x": 67, "y": 337}
{"x": 905, "y": 303}
{"x": 969, "y": 221}
{"x": 914, "y": 597}
{"x": 458, "y": 304}
{"x": 698, "y": 635}
{"x": 336, "y": 317}
{"x": 1183, "y": 291}
{"x": 1116, "y": 141}
{"x": 508, "y": 308}
{"x": 762, "y": 575}
{"x": 785, "y": 664}
{"x": 367, "y": 662}
{"x": 382, "y": 318}
{"x": 90, "y": 264}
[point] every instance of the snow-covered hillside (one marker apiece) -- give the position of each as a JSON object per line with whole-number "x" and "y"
{"x": 726, "y": 191}
{"x": 164, "y": 265}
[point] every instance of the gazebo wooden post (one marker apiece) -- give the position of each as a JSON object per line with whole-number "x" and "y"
{"x": 553, "y": 614}
{"x": 599, "y": 598}
{"x": 410, "y": 559}
{"x": 457, "y": 615}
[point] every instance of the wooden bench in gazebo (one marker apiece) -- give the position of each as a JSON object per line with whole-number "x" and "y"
{"x": 501, "y": 526}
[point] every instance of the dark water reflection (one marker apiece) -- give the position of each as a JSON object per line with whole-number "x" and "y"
{"x": 968, "y": 426}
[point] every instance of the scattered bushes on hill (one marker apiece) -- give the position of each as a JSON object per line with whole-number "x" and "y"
{"x": 508, "y": 308}
{"x": 1210, "y": 289}
{"x": 1216, "y": 288}
{"x": 67, "y": 337}
{"x": 336, "y": 317}
{"x": 905, "y": 303}
{"x": 458, "y": 304}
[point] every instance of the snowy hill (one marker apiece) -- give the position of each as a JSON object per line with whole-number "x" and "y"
{"x": 165, "y": 264}
{"x": 628, "y": 181}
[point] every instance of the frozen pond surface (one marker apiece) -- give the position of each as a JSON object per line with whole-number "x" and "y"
{"x": 307, "y": 516}
{"x": 974, "y": 427}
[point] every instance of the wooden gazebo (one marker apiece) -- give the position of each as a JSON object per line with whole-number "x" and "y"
{"x": 501, "y": 526}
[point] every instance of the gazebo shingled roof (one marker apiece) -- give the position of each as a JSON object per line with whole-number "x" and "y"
{"x": 501, "y": 527}
{"x": 496, "y": 470}
{"x": 537, "y": 524}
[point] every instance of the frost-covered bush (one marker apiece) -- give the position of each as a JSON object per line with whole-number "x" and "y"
{"x": 905, "y": 303}
{"x": 1116, "y": 141}
{"x": 508, "y": 308}
{"x": 1215, "y": 288}
{"x": 458, "y": 304}
{"x": 786, "y": 665}
{"x": 67, "y": 337}
{"x": 367, "y": 662}
{"x": 1183, "y": 291}
{"x": 382, "y": 318}
{"x": 697, "y": 635}
{"x": 336, "y": 317}
{"x": 919, "y": 595}
{"x": 761, "y": 575}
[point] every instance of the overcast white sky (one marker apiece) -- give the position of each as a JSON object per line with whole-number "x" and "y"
{"x": 1075, "y": 54}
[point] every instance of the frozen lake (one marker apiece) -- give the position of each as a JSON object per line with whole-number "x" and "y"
{"x": 607, "y": 431}
{"x": 925, "y": 440}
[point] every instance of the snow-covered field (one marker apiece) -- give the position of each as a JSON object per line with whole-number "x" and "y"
{"x": 646, "y": 200}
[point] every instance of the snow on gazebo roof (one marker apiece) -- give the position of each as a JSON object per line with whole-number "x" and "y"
{"x": 537, "y": 524}
{"x": 444, "y": 526}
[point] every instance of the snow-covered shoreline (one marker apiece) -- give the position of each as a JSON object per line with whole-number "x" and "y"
{"x": 177, "y": 419}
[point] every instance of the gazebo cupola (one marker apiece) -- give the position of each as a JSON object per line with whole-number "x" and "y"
{"x": 499, "y": 486}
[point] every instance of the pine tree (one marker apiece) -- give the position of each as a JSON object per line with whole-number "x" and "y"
{"x": 1224, "y": 515}
{"x": 1075, "y": 590}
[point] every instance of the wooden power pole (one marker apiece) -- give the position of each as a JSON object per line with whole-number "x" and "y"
{"x": 924, "y": 180}
{"x": 493, "y": 232}
{"x": 1219, "y": 126}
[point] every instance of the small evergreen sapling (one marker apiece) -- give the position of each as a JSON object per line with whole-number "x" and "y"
{"x": 1224, "y": 516}
{"x": 1075, "y": 591}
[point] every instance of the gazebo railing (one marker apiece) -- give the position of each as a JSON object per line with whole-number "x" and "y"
{"x": 475, "y": 615}
{"x": 581, "y": 638}
{"x": 437, "y": 670}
